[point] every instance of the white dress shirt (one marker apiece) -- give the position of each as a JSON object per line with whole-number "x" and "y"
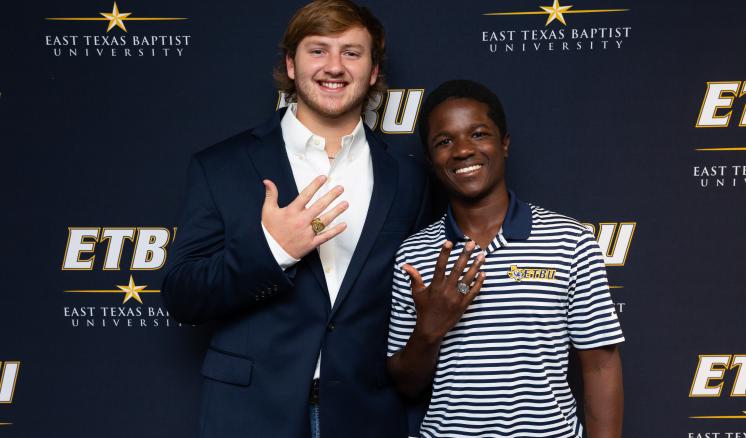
{"x": 352, "y": 168}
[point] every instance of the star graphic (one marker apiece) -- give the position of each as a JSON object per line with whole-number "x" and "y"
{"x": 117, "y": 19}
{"x": 555, "y": 12}
{"x": 132, "y": 291}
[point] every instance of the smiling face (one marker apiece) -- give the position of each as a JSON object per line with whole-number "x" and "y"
{"x": 467, "y": 149}
{"x": 332, "y": 73}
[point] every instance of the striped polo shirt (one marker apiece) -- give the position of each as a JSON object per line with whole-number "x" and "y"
{"x": 502, "y": 369}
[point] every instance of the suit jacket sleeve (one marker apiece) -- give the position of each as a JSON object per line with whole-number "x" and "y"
{"x": 212, "y": 275}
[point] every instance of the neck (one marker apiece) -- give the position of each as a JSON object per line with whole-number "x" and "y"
{"x": 331, "y": 128}
{"x": 482, "y": 218}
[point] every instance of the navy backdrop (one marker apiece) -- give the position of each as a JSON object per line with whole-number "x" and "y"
{"x": 629, "y": 116}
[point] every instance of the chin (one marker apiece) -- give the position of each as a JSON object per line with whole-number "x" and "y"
{"x": 334, "y": 108}
{"x": 470, "y": 190}
{"x": 465, "y": 195}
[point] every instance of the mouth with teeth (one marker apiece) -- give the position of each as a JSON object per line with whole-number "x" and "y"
{"x": 332, "y": 86}
{"x": 468, "y": 170}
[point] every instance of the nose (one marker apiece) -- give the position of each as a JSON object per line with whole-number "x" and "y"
{"x": 462, "y": 148}
{"x": 333, "y": 65}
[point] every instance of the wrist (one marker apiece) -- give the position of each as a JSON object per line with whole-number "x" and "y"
{"x": 283, "y": 257}
{"x": 426, "y": 338}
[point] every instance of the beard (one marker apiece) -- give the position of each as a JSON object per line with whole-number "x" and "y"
{"x": 351, "y": 101}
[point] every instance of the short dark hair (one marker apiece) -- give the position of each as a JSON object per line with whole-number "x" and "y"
{"x": 462, "y": 89}
{"x": 324, "y": 18}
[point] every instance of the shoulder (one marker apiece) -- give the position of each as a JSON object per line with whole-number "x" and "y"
{"x": 423, "y": 242}
{"x": 233, "y": 148}
{"x": 407, "y": 163}
{"x": 547, "y": 221}
{"x": 228, "y": 148}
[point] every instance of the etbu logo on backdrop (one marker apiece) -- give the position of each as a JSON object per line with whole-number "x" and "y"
{"x": 8, "y": 379}
{"x": 103, "y": 248}
{"x": 723, "y": 110}
{"x": 401, "y": 108}
{"x": 719, "y": 377}
{"x": 518, "y": 31}
{"x": 113, "y": 39}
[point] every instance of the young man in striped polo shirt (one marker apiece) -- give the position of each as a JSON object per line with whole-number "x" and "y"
{"x": 488, "y": 301}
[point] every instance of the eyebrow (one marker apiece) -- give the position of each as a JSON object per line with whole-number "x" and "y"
{"x": 471, "y": 128}
{"x": 353, "y": 46}
{"x": 321, "y": 43}
{"x": 312, "y": 42}
{"x": 478, "y": 125}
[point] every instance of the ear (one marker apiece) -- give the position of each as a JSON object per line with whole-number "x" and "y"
{"x": 290, "y": 66}
{"x": 506, "y": 145}
{"x": 374, "y": 75}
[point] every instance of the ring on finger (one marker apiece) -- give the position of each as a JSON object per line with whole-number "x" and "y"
{"x": 462, "y": 287}
{"x": 317, "y": 226}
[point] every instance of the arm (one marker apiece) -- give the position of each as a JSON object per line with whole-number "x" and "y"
{"x": 208, "y": 276}
{"x": 603, "y": 393}
{"x": 211, "y": 275}
{"x": 595, "y": 331}
{"x": 413, "y": 367}
{"x": 439, "y": 307}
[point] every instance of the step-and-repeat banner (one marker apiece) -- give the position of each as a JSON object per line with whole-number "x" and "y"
{"x": 628, "y": 116}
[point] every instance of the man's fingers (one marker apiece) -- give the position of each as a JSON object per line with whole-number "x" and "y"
{"x": 332, "y": 214}
{"x": 471, "y": 274}
{"x": 328, "y": 234}
{"x": 415, "y": 277}
{"x": 440, "y": 264}
{"x": 474, "y": 290}
{"x": 304, "y": 197}
{"x": 324, "y": 201}
{"x": 270, "y": 194}
{"x": 461, "y": 262}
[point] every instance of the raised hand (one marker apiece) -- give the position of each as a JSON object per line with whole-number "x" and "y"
{"x": 440, "y": 305}
{"x": 291, "y": 226}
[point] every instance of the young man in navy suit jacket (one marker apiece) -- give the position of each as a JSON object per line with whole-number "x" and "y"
{"x": 288, "y": 237}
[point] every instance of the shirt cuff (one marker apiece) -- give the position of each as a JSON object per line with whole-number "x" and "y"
{"x": 282, "y": 258}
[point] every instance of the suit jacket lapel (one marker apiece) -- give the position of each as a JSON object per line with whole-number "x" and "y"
{"x": 271, "y": 162}
{"x": 385, "y": 180}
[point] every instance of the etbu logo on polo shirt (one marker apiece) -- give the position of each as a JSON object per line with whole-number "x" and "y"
{"x": 520, "y": 274}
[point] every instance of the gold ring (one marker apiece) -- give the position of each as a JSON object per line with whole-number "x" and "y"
{"x": 317, "y": 226}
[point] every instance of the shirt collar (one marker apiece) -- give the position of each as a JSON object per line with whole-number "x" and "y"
{"x": 516, "y": 225}
{"x": 299, "y": 139}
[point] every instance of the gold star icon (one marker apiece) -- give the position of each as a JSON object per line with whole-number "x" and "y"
{"x": 117, "y": 19}
{"x": 132, "y": 291}
{"x": 555, "y": 12}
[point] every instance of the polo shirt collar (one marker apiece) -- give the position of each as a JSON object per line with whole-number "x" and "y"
{"x": 516, "y": 226}
{"x": 299, "y": 139}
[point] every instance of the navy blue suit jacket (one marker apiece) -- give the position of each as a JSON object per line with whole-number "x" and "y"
{"x": 261, "y": 360}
